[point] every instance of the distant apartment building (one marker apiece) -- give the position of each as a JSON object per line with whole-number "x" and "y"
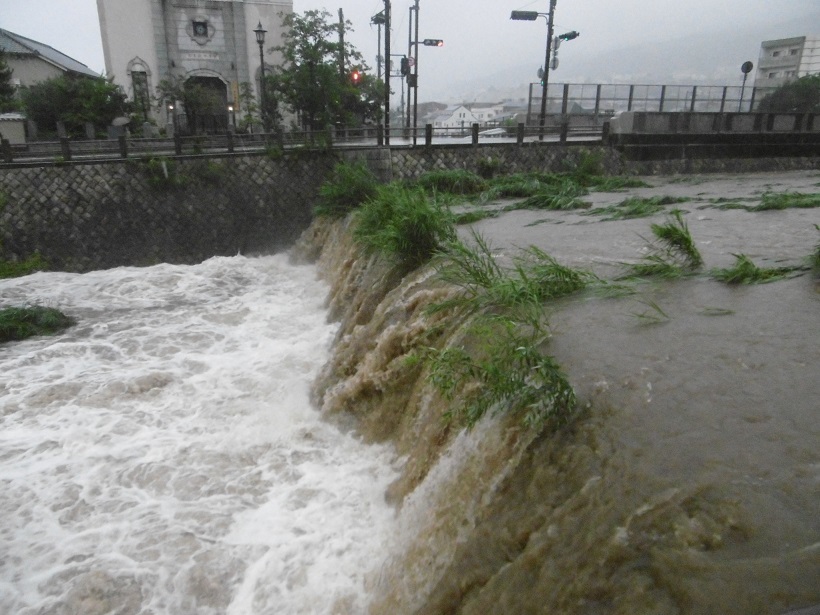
{"x": 786, "y": 59}
{"x": 209, "y": 41}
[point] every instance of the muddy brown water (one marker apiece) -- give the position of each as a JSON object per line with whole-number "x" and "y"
{"x": 692, "y": 482}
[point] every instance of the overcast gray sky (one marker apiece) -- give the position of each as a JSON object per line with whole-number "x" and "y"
{"x": 482, "y": 42}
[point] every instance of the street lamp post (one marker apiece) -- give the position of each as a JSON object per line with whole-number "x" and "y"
{"x": 260, "y": 39}
{"x": 532, "y": 16}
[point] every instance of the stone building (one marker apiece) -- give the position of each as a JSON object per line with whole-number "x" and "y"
{"x": 211, "y": 42}
{"x": 787, "y": 59}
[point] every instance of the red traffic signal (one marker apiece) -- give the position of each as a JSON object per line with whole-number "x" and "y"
{"x": 355, "y": 77}
{"x": 433, "y": 42}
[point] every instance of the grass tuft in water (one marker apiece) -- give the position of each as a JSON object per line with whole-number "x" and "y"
{"x": 787, "y": 200}
{"x": 744, "y": 271}
{"x": 503, "y": 367}
{"x": 563, "y": 196}
{"x": 456, "y": 181}
{"x": 405, "y": 224}
{"x": 674, "y": 253}
{"x": 18, "y": 323}
{"x": 507, "y": 372}
{"x": 635, "y": 207}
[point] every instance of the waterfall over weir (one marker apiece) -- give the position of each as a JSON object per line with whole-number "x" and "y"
{"x": 203, "y": 441}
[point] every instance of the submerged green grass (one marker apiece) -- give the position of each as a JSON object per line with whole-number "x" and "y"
{"x": 635, "y": 207}
{"x": 673, "y": 254}
{"x": 502, "y": 366}
{"x": 744, "y": 271}
{"x": 18, "y": 323}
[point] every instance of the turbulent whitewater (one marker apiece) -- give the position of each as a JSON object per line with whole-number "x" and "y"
{"x": 162, "y": 455}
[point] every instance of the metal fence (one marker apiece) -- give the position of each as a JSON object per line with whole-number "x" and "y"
{"x": 609, "y": 99}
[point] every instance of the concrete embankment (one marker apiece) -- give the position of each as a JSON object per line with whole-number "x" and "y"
{"x": 686, "y": 482}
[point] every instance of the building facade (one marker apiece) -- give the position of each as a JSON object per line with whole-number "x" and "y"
{"x": 209, "y": 42}
{"x": 786, "y": 59}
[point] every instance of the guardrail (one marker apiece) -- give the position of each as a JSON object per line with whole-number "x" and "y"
{"x": 562, "y": 129}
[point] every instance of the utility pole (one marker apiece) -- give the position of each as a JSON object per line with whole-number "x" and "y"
{"x": 542, "y": 119}
{"x": 387, "y": 72}
{"x": 415, "y": 78}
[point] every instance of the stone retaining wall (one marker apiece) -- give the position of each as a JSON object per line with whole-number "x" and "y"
{"x": 80, "y": 217}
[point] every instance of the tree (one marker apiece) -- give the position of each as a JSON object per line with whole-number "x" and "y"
{"x": 315, "y": 79}
{"x": 800, "y": 96}
{"x": 8, "y": 100}
{"x": 74, "y": 101}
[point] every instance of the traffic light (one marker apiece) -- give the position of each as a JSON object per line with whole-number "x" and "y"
{"x": 405, "y": 67}
{"x": 568, "y": 36}
{"x": 433, "y": 42}
{"x": 355, "y": 77}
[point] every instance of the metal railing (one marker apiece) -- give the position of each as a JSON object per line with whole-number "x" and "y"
{"x": 609, "y": 99}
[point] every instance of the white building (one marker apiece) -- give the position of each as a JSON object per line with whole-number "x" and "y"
{"x": 787, "y": 59}
{"x": 209, "y": 41}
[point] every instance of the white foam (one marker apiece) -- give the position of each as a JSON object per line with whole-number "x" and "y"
{"x": 164, "y": 451}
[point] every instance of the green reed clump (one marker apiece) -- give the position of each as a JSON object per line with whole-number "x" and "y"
{"x": 476, "y": 215}
{"x": 349, "y": 185}
{"x": 635, "y": 207}
{"x": 787, "y": 200}
{"x": 16, "y": 269}
{"x": 534, "y": 277}
{"x": 814, "y": 258}
{"x": 405, "y": 224}
{"x": 503, "y": 368}
{"x": 506, "y": 372}
{"x": 17, "y": 323}
{"x": 744, "y": 271}
{"x": 674, "y": 254}
{"x": 615, "y": 183}
{"x": 455, "y": 181}
{"x": 563, "y": 196}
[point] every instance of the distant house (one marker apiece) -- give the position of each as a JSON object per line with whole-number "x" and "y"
{"x": 786, "y": 59}
{"x": 486, "y": 114}
{"x": 451, "y": 118}
{"x": 34, "y": 62}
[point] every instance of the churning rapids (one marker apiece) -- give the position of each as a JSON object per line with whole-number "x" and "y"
{"x": 162, "y": 455}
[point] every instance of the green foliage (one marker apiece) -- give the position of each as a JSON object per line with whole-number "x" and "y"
{"x": 800, "y": 96}
{"x": 455, "y": 181}
{"x": 635, "y": 207}
{"x": 507, "y": 372}
{"x": 814, "y": 259}
{"x": 485, "y": 286}
{"x": 311, "y": 81}
{"x": 405, "y": 224}
{"x": 674, "y": 253}
{"x": 8, "y": 98}
{"x": 488, "y": 167}
{"x": 503, "y": 367}
{"x": 652, "y": 314}
{"x": 74, "y": 101}
{"x": 17, "y": 323}
{"x": 15, "y": 269}
{"x": 476, "y": 215}
{"x": 675, "y": 236}
{"x": 563, "y": 196}
{"x": 348, "y": 187}
{"x": 787, "y": 200}
{"x": 744, "y": 271}
{"x": 164, "y": 174}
